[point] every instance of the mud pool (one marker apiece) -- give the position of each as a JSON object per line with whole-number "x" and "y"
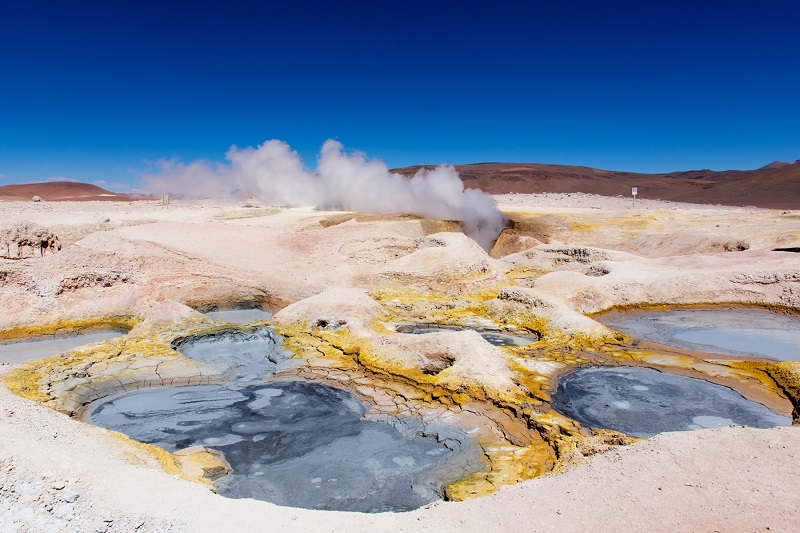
{"x": 495, "y": 338}
{"x": 242, "y": 356}
{"x": 736, "y": 332}
{"x": 23, "y": 351}
{"x": 643, "y": 402}
{"x": 239, "y": 316}
{"x": 296, "y": 443}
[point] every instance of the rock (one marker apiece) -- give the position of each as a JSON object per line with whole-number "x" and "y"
{"x": 509, "y": 243}
{"x": 68, "y": 495}
{"x": 64, "y": 511}
{"x": 28, "y": 235}
{"x": 333, "y": 309}
{"x": 198, "y": 462}
{"x": 559, "y": 317}
{"x": 452, "y": 358}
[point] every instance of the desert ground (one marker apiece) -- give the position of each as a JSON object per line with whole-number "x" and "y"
{"x": 340, "y": 285}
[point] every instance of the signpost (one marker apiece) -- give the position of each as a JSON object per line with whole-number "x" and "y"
{"x": 634, "y": 190}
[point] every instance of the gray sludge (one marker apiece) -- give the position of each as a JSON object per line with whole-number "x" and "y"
{"x": 643, "y": 402}
{"x": 24, "y": 351}
{"x": 737, "y": 332}
{"x": 495, "y": 338}
{"x": 243, "y": 356}
{"x": 297, "y": 443}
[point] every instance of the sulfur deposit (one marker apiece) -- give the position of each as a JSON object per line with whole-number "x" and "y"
{"x": 343, "y": 289}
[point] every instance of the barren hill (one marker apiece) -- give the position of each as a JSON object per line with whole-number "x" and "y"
{"x": 63, "y": 190}
{"x": 776, "y": 185}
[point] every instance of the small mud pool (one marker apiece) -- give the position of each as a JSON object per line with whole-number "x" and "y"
{"x": 23, "y": 351}
{"x": 643, "y": 402}
{"x": 736, "y": 332}
{"x": 495, "y": 338}
{"x": 242, "y": 356}
{"x": 239, "y": 316}
{"x": 295, "y": 443}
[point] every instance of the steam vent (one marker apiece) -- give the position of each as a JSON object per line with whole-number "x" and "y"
{"x": 204, "y": 364}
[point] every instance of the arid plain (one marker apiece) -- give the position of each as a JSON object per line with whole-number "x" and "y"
{"x": 340, "y": 285}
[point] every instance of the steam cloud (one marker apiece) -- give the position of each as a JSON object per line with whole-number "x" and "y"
{"x": 274, "y": 173}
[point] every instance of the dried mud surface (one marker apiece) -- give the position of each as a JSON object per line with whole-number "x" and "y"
{"x": 341, "y": 286}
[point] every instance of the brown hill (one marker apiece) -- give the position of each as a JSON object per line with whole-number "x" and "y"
{"x": 62, "y": 191}
{"x": 774, "y": 165}
{"x": 776, "y": 186}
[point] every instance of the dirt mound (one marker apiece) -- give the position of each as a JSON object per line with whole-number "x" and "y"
{"x": 776, "y": 185}
{"x": 63, "y": 190}
{"x": 774, "y": 165}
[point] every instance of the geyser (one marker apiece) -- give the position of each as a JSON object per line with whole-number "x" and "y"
{"x": 643, "y": 402}
{"x": 296, "y": 443}
{"x": 274, "y": 173}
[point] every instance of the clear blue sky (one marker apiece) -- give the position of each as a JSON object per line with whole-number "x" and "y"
{"x": 92, "y": 91}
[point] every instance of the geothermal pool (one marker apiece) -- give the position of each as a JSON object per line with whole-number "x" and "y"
{"x": 295, "y": 443}
{"x": 239, "y": 316}
{"x": 643, "y": 402}
{"x": 495, "y": 338}
{"x": 241, "y": 356}
{"x": 737, "y": 332}
{"x": 23, "y": 351}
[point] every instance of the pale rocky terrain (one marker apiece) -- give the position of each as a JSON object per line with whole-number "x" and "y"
{"x": 339, "y": 283}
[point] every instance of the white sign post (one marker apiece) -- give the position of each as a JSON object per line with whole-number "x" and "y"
{"x": 633, "y": 192}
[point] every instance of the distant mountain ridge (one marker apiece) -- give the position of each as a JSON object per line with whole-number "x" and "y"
{"x": 63, "y": 191}
{"x": 776, "y": 185}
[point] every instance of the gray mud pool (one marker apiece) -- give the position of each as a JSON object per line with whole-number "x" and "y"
{"x": 643, "y": 402}
{"x": 241, "y": 355}
{"x": 295, "y": 443}
{"x": 495, "y": 338}
{"x": 239, "y": 316}
{"x": 21, "y": 352}
{"x": 737, "y": 332}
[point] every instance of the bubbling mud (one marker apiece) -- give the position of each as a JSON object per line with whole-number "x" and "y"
{"x": 751, "y": 333}
{"x": 643, "y": 402}
{"x": 493, "y": 337}
{"x": 293, "y": 443}
{"x": 296, "y": 443}
{"x": 242, "y": 356}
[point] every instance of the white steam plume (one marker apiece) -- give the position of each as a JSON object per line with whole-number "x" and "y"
{"x": 274, "y": 173}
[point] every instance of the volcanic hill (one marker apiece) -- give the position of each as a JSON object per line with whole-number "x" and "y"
{"x": 776, "y": 185}
{"x": 63, "y": 191}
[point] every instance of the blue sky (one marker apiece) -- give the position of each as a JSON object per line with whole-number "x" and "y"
{"x": 97, "y": 91}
